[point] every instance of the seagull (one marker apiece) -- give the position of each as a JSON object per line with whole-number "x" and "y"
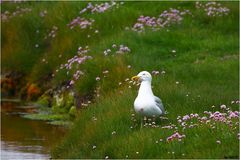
{"x": 146, "y": 104}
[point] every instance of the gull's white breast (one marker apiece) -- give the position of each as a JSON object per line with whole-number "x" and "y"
{"x": 146, "y": 105}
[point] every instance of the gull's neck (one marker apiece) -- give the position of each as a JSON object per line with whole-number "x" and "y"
{"x": 145, "y": 89}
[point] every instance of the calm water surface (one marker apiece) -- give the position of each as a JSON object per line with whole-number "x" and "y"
{"x": 23, "y": 138}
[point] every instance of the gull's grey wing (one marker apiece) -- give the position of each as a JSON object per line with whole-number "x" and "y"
{"x": 159, "y": 104}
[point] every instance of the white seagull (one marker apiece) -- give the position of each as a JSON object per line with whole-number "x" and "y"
{"x": 146, "y": 104}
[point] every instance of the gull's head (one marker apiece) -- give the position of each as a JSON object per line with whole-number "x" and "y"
{"x": 142, "y": 76}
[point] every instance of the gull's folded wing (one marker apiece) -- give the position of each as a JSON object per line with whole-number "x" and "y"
{"x": 159, "y": 104}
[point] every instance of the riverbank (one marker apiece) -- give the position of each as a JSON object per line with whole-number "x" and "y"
{"x": 77, "y": 59}
{"x": 44, "y": 113}
{"x": 23, "y": 138}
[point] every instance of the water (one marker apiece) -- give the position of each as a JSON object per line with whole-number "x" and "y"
{"x": 23, "y": 138}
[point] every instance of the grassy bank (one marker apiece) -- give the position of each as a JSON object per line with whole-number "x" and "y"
{"x": 196, "y": 56}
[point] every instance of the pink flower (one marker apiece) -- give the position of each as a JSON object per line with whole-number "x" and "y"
{"x": 212, "y": 9}
{"x": 98, "y": 78}
{"x": 71, "y": 82}
{"x": 204, "y": 118}
{"x": 176, "y": 136}
{"x": 233, "y": 114}
{"x": 186, "y": 117}
{"x": 166, "y": 18}
{"x": 223, "y": 106}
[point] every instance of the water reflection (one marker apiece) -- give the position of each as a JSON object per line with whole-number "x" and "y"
{"x": 26, "y": 139}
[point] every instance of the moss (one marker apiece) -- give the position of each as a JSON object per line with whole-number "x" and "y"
{"x": 47, "y": 117}
{"x": 206, "y": 76}
{"x": 58, "y": 104}
{"x": 63, "y": 102}
{"x": 73, "y": 111}
{"x": 43, "y": 101}
{"x": 69, "y": 101}
{"x": 61, "y": 112}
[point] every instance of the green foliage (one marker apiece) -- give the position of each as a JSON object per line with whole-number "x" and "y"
{"x": 62, "y": 102}
{"x": 73, "y": 111}
{"x": 43, "y": 101}
{"x": 58, "y": 104}
{"x": 97, "y": 124}
{"x": 205, "y": 67}
{"x": 69, "y": 101}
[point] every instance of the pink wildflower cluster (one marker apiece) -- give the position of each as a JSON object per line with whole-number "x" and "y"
{"x": 164, "y": 19}
{"x": 232, "y": 114}
{"x": 75, "y": 62}
{"x": 76, "y": 76}
{"x": 230, "y": 118}
{"x": 175, "y": 136}
{"x": 99, "y": 8}
{"x": 218, "y": 116}
{"x": 77, "y": 59}
{"x": 212, "y": 9}
{"x": 52, "y": 33}
{"x": 221, "y": 117}
{"x": 183, "y": 120}
{"x": 5, "y": 16}
{"x": 81, "y": 22}
{"x": 122, "y": 49}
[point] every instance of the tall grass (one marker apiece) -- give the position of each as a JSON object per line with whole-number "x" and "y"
{"x": 205, "y": 67}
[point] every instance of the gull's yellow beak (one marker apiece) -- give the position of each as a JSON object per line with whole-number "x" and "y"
{"x": 135, "y": 78}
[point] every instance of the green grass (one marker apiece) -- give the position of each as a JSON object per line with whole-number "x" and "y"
{"x": 206, "y": 65}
